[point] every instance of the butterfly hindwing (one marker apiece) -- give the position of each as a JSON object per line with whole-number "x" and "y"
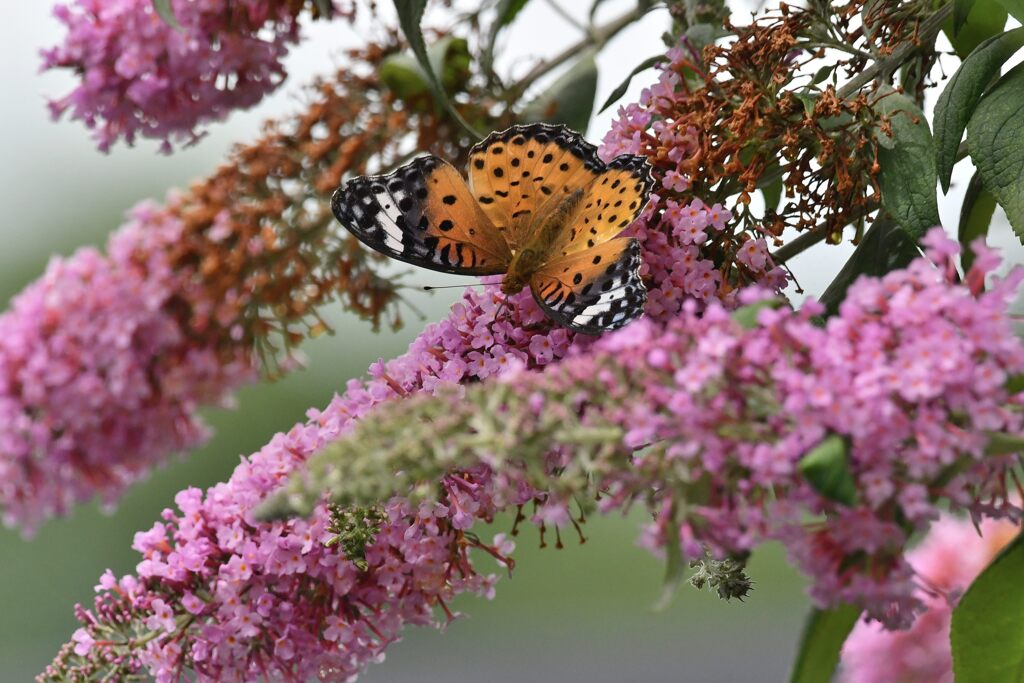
{"x": 520, "y": 173}
{"x": 595, "y": 290}
{"x": 423, "y": 213}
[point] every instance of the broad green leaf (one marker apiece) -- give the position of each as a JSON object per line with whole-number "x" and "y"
{"x": 975, "y": 217}
{"x": 995, "y": 140}
{"x": 883, "y": 248}
{"x": 825, "y": 631}
{"x": 569, "y": 100}
{"x": 1015, "y": 8}
{"x": 621, "y": 88}
{"x": 1015, "y": 384}
{"x": 987, "y": 631}
{"x": 961, "y": 8}
{"x": 826, "y": 467}
{"x": 986, "y": 18}
{"x": 166, "y": 13}
{"x": 962, "y": 94}
{"x": 907, "y": 176}
{"x": 410, "y": 14}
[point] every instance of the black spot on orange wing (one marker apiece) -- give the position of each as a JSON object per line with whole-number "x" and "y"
{"x": 602, "y": 210}
{"x": 590, "y": 294}
{"x": 539, "y": 165}
{"x": 423, "y": 213}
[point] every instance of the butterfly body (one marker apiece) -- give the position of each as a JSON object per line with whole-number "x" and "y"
{"x": 532, "y": 257}
{"x": 540, "y": 208}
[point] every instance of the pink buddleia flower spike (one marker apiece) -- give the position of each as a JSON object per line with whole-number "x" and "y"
{"x": 141, "y": 75}
{"x": 98, "y": 381}
{"x": 906, "y": 384}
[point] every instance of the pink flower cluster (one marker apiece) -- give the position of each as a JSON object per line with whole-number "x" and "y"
{"x": 139, "y": 75}
{"x": 704, "y": 416}
{"x": 676, "y": 226}
{"x": 98, "y": 382}
{"x": 233, "y": 599}
{"x": 910, "y": 373}
{"x": 949, "y": 559}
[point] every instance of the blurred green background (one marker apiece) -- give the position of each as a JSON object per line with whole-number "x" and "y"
{"x": 580, "y": 614}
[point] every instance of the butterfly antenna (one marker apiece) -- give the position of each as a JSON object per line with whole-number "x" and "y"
{"x": 430, "y": 288}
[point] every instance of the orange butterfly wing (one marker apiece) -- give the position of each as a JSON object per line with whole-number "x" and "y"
{"x": 423, "y": 213}
{"x": 521, "y": 174}
{"x": 613, "y": 200}
{"x": 594, "y": 290}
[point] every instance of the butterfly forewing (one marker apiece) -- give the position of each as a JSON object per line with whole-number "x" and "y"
{"x": 423, "y": 213}
{"x": 595, "y": 290}
{"x": 521, "y": 173}
{"x": 612, "y": 201}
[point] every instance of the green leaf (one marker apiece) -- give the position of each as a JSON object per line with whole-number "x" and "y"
{"x": 985, "y": 18}
{"x": 621, "y": 88}
{"x": 1001, "y": 443}
{"x": 883, "y": 248}
{"x": 962, "y": 94}
{"x": 826, "y": 467}
{"x": 825, "y": 631}
{"x": 961, "y": 8}
{"x": 450, "y": 60}
{"x": 410, "y": 14}
{"x": 995, "y": 140}
{"x": 166, "y": 13}
{"x": 1015, "y": 8}
{"x": 975, "y": 217}
{"x": 907, "y": 177}
{"x": 746, "y": 316}
{"x": 808, "y": 100}
{"x": 823, "y": 73}
{"x": 987, "y": 631}
{"x": 772, "y": 194}
{"x": 1014, "y": 384}
{"x": 449, "y": 57}
{"x": 569, "y": 100}
{"x": 402, "y": 74}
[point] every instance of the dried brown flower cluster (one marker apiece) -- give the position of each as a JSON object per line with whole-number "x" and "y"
{"x": 260, "y": 239}
{"x": 763, "y": 112}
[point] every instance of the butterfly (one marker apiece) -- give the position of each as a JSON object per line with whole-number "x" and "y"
{"x": 539, "y": 207}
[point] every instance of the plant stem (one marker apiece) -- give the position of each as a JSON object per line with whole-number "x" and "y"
{"x": 799, "y": 244}
{"x": 561, "y": 11}
{"x": 930, "y": 28}
{"x": 596, "y": 39}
